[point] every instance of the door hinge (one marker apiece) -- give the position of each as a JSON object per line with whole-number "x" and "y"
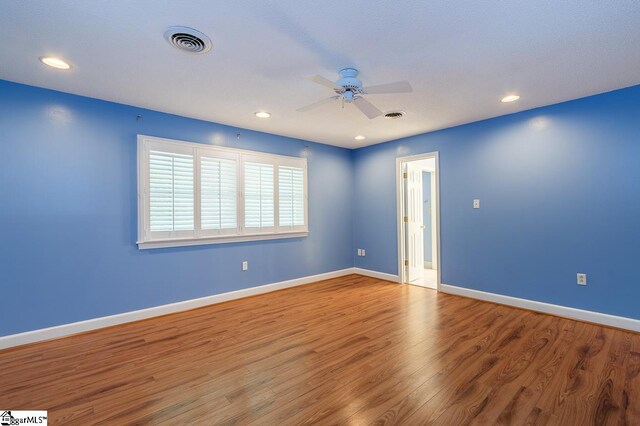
{"x": 406, "y": 219}
{"x": 404, "y": 175}
{"x": 406, "y": 263}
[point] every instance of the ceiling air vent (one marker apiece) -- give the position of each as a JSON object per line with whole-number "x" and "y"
{"x": 188, "y": 40}
{"x": 394, "y": 115}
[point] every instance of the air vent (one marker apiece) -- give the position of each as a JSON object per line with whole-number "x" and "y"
{"x": 394, "y": 115}
{"x": 188, "y": 40}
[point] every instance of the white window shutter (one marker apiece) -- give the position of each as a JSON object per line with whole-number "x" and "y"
{"x": 259, "y": 196}
{"x": 218, "y": 178}
{"x": 291, "y": 196}
{"x": 171, "y": 195}
{"x": 198, "y": 194}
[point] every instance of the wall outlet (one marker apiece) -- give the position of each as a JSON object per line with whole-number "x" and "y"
{"x": 364, "y": 253}
{"x": 245, "y": 265}
{"x": 359, "y": 252}
{"x": 582, "y": 279}
{"x": 476, "y": 203}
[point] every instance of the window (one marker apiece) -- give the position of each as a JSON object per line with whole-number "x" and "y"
{"x": 170, "y": 192}
{"x": 200, "y": 194}
{"x": 259, "y": 197}
{"x": 218, "y": 193}
{"x": 291, "y": 196}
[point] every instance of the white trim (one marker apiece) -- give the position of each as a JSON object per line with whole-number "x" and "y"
{"x": 376, "y": 274}
{"x": 144, "y": 245}
{"x": 399, "y": 218}
{"x": 96, "y": 323}
{"x": 434, "y": 220}
{"x": 399, "y": 211}
{"x": 547, "y": 308}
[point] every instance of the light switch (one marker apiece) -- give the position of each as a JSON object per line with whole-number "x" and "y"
{"x": 476, "y": 203}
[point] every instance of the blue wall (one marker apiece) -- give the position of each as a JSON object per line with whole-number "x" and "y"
{"x": 426, "y": 214}
{"x": 560, "y": 194}
{"x": 68, "y": 218}
{"x": 559, "y": 189}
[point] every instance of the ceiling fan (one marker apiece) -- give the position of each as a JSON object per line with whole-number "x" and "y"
{"x": 349, "y": 89}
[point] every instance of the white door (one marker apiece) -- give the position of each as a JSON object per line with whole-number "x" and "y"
{"x": 414, "y": 224}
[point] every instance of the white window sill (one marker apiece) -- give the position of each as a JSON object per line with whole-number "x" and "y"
{"x": 145, "y": 245}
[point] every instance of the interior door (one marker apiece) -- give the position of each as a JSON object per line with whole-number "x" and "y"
{"x": 414, "y": 223}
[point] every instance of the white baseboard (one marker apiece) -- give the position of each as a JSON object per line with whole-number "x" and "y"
{"x": 547, "y": 308}
{"x": 96, "y": 323}
{"x": 93, "y": 324}
{"x": 376, "y": 274}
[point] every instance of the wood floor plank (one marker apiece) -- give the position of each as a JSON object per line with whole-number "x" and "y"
{"x": 513, "y": 406}
{"x": 352, "y": 350}
{"x": 444, "y": 363}
{"x": 477, "y": 397}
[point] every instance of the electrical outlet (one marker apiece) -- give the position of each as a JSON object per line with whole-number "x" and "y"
{"x": 364, "y": 253}
{"x": 582, "y": 279}
{"x": 359, "y": 252}
{"x": 245, "y": 265}
{"x": 476, "y": 203}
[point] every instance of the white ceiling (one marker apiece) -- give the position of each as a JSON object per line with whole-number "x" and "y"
{"x": 461, "y": 56}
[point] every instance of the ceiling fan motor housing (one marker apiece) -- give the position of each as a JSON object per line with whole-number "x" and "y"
{"x": 349, "y": 83}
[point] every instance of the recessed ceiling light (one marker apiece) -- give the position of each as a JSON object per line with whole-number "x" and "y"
{"x": 510, "y": 98}
{"x": 55, "y": 62}
{"x": 359, "y": 138}
{"x": 262, "y": 114}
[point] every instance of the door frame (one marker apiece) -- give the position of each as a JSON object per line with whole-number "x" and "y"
{"x": 400, "y": 208}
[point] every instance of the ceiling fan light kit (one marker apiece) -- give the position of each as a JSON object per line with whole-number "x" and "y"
{"x": 350, "y": 90}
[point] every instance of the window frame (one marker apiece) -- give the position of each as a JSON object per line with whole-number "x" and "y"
{"x": 213, "y": 233}
{"x": 150, "y": 240}
{"x": 252, "y": 158}
{"x": 293, "y": 228}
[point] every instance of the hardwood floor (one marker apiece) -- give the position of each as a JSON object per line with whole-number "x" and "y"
{"x": 352, "y": 350}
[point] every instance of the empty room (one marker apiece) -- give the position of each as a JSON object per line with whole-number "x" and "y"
{"x": 333, "y": 213}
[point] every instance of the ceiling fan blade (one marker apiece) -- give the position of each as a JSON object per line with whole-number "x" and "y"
{"x": 317, "y": 104}
{"x": 324, "y": 81}
{"x": 366, "y": 107}
{"x": 397, "y": 87}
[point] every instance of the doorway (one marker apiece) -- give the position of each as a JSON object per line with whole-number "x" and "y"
{"x": 418, "y": 220}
